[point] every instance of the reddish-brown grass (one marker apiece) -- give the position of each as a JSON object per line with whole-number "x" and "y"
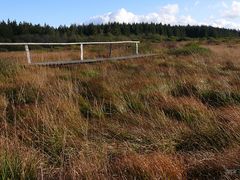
{"x": 166, "y": 117}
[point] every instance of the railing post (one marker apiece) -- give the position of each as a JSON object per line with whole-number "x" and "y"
{"x": 81, "y": 47}
{"x": 110, "y": 50}
{"x": 137, "y": 49}
{"x": 28, "y": 54}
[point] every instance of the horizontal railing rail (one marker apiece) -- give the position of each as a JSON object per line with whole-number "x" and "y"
{"x": 65, "y": 44}
{"x": 75, "y": 43}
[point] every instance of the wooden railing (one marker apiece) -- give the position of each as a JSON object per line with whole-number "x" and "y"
{"x": 81, "y": 44}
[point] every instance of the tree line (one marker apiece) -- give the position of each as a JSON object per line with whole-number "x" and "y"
{"x": 11, "y": 31}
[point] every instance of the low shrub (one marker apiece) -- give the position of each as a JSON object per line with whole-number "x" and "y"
{"x": 189, "y": 49}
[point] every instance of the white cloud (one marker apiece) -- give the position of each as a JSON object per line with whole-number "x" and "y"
{"x": 121, "y": 16}
{"x": 197, "y": 3}
{"x": 233, "y": 11}
{"x": 185, "y": 20}
{"x": 224, "y": 4}
{"x": 223, "y": 23}
{"x": 167, "y": 15}
{"x": 170, "y": 9}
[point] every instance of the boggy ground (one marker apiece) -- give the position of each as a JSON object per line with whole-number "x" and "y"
{"x": 174, "y": 116}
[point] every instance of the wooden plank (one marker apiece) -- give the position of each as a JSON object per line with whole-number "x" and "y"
{"x": 59, "y": 63}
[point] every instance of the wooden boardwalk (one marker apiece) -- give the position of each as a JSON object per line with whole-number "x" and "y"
{"x": 73, "y": 62}
{"x": 81, "y": 60}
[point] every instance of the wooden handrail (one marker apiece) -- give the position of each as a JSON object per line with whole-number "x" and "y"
{"x": 73, "y": 43}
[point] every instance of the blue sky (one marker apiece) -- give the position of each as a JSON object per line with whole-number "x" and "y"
{"x": 224, "y": 13}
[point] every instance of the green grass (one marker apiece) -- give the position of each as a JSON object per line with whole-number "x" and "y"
{"x": 134, "y": 103}
{"x": 90, "y": 73}
{"x": 213, "y": 98}
{"x": 8, "y": 69}
{"x": 189, "y": 49}
{"x": 23, "y": 94}
{"x": 214, "y": 140}
{"x": 12, "y": 166}
{"x": 220, "y": 98}
{"x": 184, "y": 89}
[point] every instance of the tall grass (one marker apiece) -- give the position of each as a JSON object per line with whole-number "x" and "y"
{"x": 167, "y": 117}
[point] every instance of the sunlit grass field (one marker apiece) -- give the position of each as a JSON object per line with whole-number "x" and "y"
{"x": 173, "y": 116}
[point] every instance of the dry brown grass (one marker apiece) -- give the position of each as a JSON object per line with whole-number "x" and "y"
{"x": 168, "y": 117}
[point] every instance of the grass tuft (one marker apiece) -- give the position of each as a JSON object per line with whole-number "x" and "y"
{"x": 8, "y": 69}
{"x": 214, "y": 140}
{"x": 163, "y": 117}
{"x": 184, "y": 89}
{"x": 189, "y": 49}
{"x": 219, "y": 98}
{"x": 206, "y": 170}
{"x": 24, "y": 94}
{"x": 12, "y": 166}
